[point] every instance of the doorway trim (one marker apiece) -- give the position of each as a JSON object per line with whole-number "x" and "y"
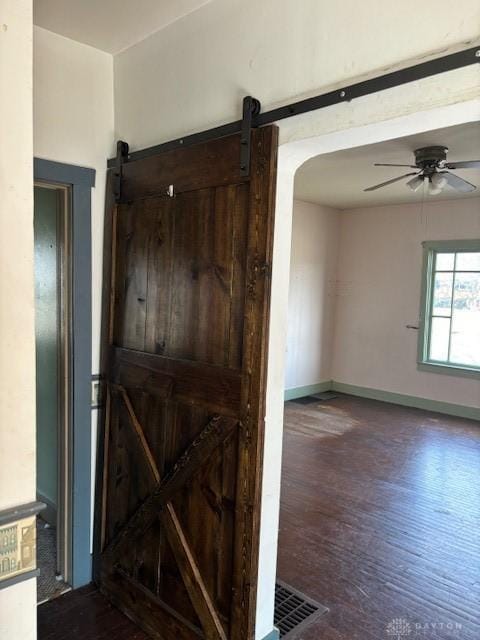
{"x": 80, "y": 181}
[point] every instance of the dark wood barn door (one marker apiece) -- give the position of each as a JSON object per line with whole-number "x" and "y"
{"x": 185, "y": 348}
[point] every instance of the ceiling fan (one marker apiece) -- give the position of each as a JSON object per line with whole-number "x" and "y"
{"x": 432, "y": 167}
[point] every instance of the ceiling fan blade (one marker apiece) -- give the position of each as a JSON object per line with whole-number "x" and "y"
{"x": 457, "y": 183}
{"x": 467, "y": 164}
{"x": 383, "y": 164}
{"x": 384, "y": 184}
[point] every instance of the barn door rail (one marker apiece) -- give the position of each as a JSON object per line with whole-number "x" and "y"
{"x": 252, "y": 117}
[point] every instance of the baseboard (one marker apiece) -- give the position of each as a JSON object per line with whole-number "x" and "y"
{"x": 273, "y": 635}
{"x": 301, "y": 392}
{"x": 49, "y": 514}
{"x": 437, "y": 406}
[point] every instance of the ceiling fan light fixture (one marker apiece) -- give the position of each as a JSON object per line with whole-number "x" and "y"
{"x": 433, "y": 190}
{"x": 432, "y": 172}
{"x": 415, "y": 183}
{"x": 438, "y": 180}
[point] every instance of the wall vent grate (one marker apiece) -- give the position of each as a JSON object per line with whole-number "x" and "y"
{"x": 294, "y": 610}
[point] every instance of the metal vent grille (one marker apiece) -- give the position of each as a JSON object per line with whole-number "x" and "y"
{"x": 293, "y": 609}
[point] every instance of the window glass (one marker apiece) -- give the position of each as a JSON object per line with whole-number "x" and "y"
{"x": 442, "y": 294}
{"x": 465, "y": 331}
{"x": 445, "y": 261}
{"x": 468, "y": 261}
{"x": 452, "y": 322}
{"x": 439, "y": 339}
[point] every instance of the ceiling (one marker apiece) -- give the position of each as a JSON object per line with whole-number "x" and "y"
{"x": 117, "y": 24}
{"x": 338, "y": 179}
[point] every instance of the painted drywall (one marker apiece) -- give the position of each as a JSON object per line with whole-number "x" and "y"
{"x": 17, "y": 374}
{"x": 18, "y": 611}
{"x": 193, "y": 75}
{"x": 17, "y": 404}
{"x": 311, "y": 299}
{"x": 73, "y": 123}
{"x": 109, "y": 25}
{"x": 46, "y": 340}
{"x": 17, "y": 323}
{"x": 378, "y": 294}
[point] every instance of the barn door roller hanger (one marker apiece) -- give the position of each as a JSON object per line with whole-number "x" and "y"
{"x": 252, "y": 117}
{"x": 120, "y": 159}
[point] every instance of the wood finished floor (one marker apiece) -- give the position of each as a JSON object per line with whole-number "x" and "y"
{"x": 380, "y": 519}
{"x": 84, "y": 614}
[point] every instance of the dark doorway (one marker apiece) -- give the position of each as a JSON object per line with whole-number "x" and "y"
{"x": 62, "y": 217}
{"x": 52, "y": 339}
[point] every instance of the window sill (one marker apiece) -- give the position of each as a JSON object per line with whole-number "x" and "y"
{"x": 449, "y": 370}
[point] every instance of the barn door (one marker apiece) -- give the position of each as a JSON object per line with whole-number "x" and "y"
{"x": 185, "y": 362}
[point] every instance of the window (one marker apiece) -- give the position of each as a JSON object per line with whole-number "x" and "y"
{"x": 450, "y": 311}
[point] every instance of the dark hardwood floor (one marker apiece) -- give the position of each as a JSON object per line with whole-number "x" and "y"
{"x": 380, "y": 519}
{"x": 84, "y": 614}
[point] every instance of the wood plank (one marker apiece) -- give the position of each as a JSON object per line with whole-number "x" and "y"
{"x": 162, "y": 622}
{"x": 133, "y": 233}
{"x": 138, "y": 432}
{"x": 201, "y": 600}
{"x": 254, "y": 366}
{"x": 108, "y": 301}
{"x": 161, "y": 214}
{"x": 237, "y": 201}
{"x": 103, "y": 513}
{"x": 188, "y": 464}
{"x": 212, "y": 436}
{"x": 202, "y": 166}
{"x": 225, "y": 535}
{"x": 214, "y": 256}
{"x": 194, "y": 382}
{"x": 196, "y": 246}
{"x": 187, "y": 332}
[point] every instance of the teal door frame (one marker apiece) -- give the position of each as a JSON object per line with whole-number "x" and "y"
{"x": 80, "y": 181}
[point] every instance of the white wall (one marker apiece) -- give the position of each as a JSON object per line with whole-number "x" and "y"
{"x": 355, "y": 279}
{"x": 17, "y": 336}
{"x": 194, "y": 73}
{"x": 311, "y": 299}
{"x": 73, "y": 123}
{"x": 378, "y": 293}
